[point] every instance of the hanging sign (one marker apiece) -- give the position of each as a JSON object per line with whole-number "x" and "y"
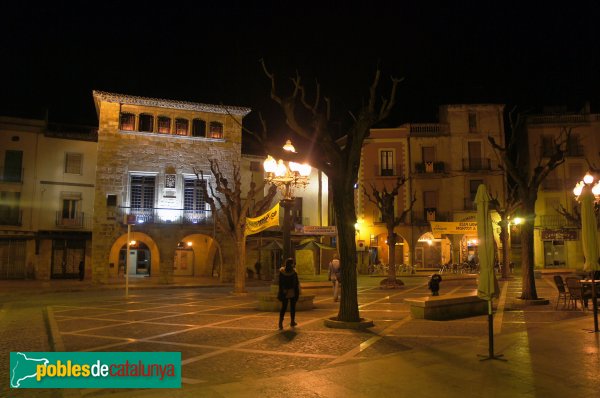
{"x": 262, "y": 222}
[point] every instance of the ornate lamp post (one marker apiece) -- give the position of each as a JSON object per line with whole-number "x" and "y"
{"x": 286, "y": 176}
{"x": 587, "y": 193}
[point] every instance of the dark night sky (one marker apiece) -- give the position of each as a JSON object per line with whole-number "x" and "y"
{"x": 542, "y": 53}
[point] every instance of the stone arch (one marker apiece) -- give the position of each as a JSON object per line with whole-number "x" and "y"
{"x": 207, "y": 254}
{"x": 431, "y": 251}
{"x": 121, "y": 241}
{"x": 402, "y": 249}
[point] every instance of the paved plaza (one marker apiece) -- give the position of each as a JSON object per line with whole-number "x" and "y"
{"x": 230, "y": 349}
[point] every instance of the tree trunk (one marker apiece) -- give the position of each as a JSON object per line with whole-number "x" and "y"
{"x": 240, "y": 266}
{"x": 529, "y": 291}
{"x": 391, "y": 254}
{"x": 505, "y": 247}
{"x": 346, "y": 217}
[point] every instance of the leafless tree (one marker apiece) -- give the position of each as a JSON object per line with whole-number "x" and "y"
{"x": 384, "y": 200}
{"x": 310, "y": 118}
{"x": 506, "y": 211}
{"x": 515, "y": 160}
{"x": 230, "y": 210}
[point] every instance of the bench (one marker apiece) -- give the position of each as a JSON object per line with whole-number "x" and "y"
{"x": 449, "y": 306}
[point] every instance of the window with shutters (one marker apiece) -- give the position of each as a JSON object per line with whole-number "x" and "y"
{"x": 472, "y": 122}
{"x": 73, "y": 163}
{"x": 386, "y": 163}
{"x": 142, "y": 192}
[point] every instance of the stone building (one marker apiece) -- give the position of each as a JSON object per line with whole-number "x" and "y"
{"x": 152, "y": 172}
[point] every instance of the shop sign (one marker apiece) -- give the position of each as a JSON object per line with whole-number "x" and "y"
{"x": 559, "y": 234}
{"x": 457, "y": 228}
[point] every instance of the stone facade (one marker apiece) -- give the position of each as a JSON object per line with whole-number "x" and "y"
{"x": 126, "y": 153}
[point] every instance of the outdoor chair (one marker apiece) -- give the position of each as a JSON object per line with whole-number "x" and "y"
{"x": 562, "y": 291}
{"x": 575, "y": 291}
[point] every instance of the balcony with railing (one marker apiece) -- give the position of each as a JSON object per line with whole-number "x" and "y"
{"x": 476, "y": 164}
{"x": 383, "y": 172}
{"x": 563, "y": 118}
{"x": 75, "y": 221}
{"x": 430, "y": 167}
{"x": 11, "y": 174}
{"x": 427, "y": 129}
{"x": 167, "y": 216}
{"x": 554, "y": 221}
{"x": 10, "y": 216}
{"x": 430, "y": 214}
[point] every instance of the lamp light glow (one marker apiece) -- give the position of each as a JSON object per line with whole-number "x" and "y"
{"x": 588, "y": 178}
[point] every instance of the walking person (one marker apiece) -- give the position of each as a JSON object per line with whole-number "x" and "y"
{"x": 257, "y": 266}
{"x": 289, "y": 290}
{"x": 335, "y": 276}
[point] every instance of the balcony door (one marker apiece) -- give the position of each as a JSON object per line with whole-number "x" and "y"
{"x": 194, "y": 200}
{"x": 475, "y": 161}
{"x": 142, "y": 197}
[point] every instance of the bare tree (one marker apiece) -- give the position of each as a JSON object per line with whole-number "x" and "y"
{"x": 311, "y": 120}
{"x": 231, "y": 212}
{"x": 384, "y": 200}
{"x": 515, "y": 160}
{"x": 506, "y": 211}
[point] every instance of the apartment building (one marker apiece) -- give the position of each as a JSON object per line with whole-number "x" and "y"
{"x": 46, "y": 198}
{"x": 444, "y": 162}
{"x": 557, "y": 240}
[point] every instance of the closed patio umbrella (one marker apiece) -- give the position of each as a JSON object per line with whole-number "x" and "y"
{"x": 488, "y": 285}
{"x": 589, "y": 240}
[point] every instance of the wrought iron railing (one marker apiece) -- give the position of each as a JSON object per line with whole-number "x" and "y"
{"x": 167, "y": 216}
{"x": 476, "y": 164}
{"x": 77, "y": 220}
{"x": 554, "y": 221}
{"x": 430, "y": 167}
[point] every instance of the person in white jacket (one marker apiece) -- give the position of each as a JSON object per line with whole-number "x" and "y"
{"x": 335, "y": 276}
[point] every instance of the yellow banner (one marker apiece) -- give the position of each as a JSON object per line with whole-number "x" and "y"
{"x": 459, "y": 228}
{"x": 262, "y": 222}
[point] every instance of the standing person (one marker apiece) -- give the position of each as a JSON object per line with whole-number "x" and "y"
{"x": 257, "y": 268}
{"x": 289, "y": 290}
{"x": 335, "y": 276}
{"x": 81, "y": 270}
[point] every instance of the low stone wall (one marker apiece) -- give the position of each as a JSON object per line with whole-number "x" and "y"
{"x": 269, "y": 302}
{"x": 450, "y": 306}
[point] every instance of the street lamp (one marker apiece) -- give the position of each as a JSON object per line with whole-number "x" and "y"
{"x": 286, "y": 176}
{"x": 589, "y": 230}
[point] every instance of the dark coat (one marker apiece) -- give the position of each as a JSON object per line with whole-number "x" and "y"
{"x": 288, "y": 280}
